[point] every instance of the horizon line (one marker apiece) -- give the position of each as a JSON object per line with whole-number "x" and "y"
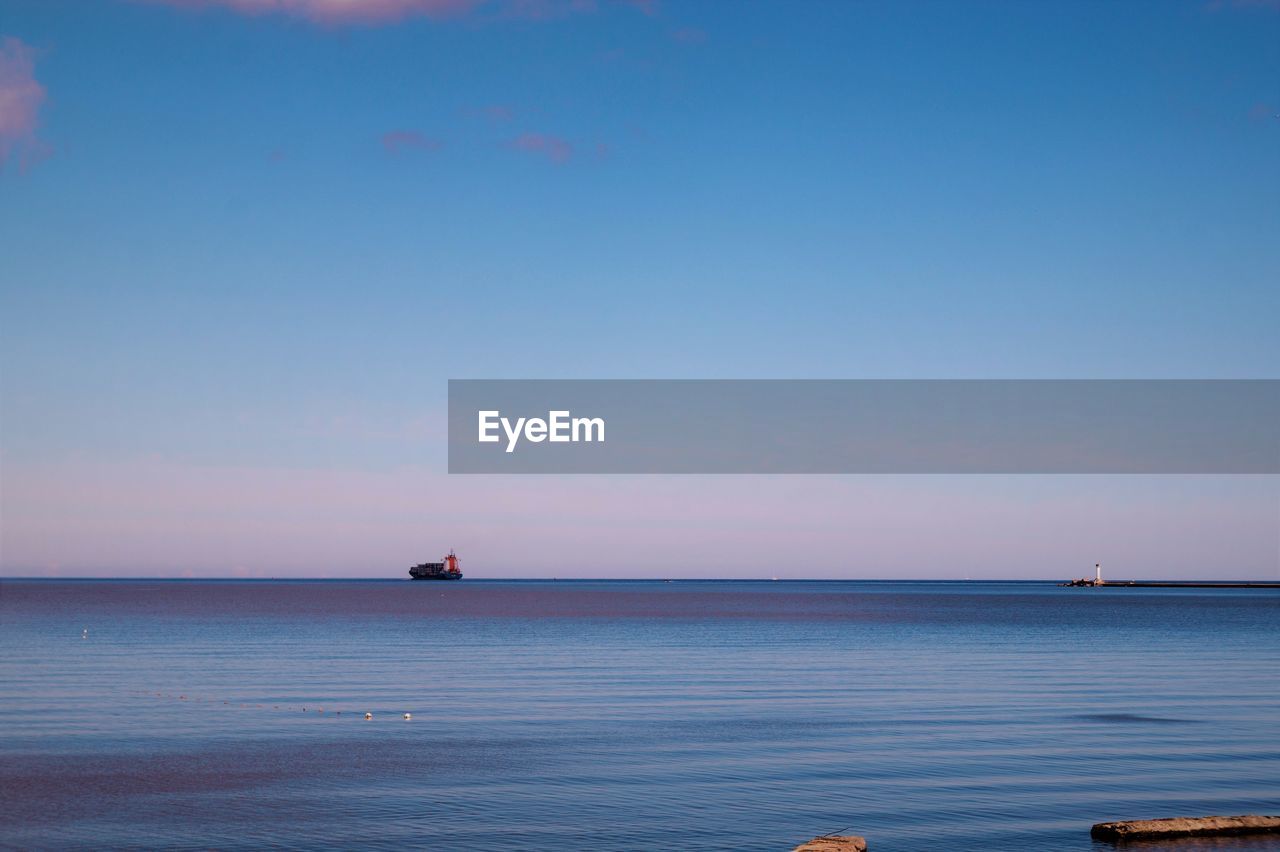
{"x": 232, "y": 579}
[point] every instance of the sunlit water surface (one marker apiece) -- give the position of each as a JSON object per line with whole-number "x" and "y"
{"x": 627, "y": 715}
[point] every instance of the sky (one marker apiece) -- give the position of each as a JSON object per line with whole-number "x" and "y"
{"x": 245, "y": 243}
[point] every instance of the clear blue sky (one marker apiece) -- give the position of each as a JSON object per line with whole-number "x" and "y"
{"x": 242, "y": 250}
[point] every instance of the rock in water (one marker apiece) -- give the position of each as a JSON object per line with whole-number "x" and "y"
{"x": 1157, "y": 829}
{"x": 834, "y": 843}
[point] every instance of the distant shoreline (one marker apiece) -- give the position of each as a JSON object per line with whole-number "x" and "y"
{"x": 1114, "y": 584}
{"x": 1179, "y": 584}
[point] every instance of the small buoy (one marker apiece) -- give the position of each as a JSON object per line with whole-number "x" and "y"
{"x": 408, "y": 716}
{"x": 368, "y": 716}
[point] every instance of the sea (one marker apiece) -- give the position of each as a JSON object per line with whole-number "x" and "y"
{"x": 628, "y": 715}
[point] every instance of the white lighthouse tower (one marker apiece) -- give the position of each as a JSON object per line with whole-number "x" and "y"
{"x": 1097, "y": 573}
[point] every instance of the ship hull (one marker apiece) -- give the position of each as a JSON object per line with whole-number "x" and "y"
{"x": 445, "y": 569}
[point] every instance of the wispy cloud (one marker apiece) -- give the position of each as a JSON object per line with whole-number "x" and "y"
{"x": 1273, "y": 5}
{"x": 554, "y": 148}
{"x": 543, "y": 9}
{"x": 649, "y": 7}
{"x": 336, "y": 11}
{"x": 1263, "y": 112}
{"x": 689, "y": 35}
{"x": 494, "y": 112}
{"x": 400, "y": 141}
{"x": 372, "y": 12}
{"x": 20, "y": 98}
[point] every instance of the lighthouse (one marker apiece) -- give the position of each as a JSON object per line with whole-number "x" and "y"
{"x": 1097, "y": 573}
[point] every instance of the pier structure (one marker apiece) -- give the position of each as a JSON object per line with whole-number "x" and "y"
{"x": 1096, "y": 580}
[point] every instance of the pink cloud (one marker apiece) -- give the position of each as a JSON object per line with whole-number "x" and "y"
{"x": 1262, "y": 112}
{"x": 400, "y": 141}
{"x": 20, "y": 98}
{"x": 336, "y": 11}
{"x": 648, "y": 7}
{"x": 543, "y": 9}
{"x": 1216, "y": 5}
{"x": 341, "y": 12}
{"x": 494, "y": 112}
{"x": 554, "y": 148}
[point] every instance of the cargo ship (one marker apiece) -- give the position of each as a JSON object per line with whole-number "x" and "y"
{"x": 446, "y": 569}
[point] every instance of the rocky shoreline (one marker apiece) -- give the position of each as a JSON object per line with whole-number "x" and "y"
{"x": 1142, "y": 829}
{"x": 1210, "y": 826}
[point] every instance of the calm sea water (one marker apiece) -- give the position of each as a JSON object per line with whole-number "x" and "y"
{"x": 627, "y": 715}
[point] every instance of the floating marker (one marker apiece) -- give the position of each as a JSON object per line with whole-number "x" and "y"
{"x": 368, "y": 716}
{"x": 408, "y": 716}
